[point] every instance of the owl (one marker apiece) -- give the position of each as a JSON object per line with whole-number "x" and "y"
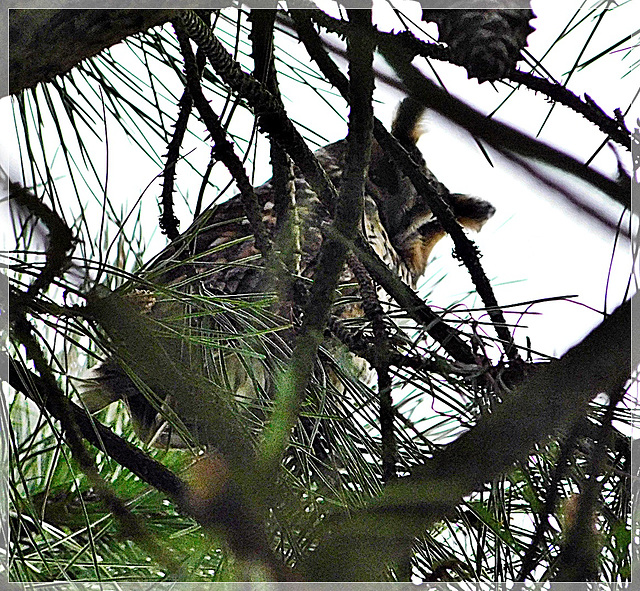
{"x": 213, "y": 300}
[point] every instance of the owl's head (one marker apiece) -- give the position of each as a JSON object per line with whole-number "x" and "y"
{"x": 405, "y": 214}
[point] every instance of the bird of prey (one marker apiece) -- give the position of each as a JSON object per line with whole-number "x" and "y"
{"x": 219, "y": 329}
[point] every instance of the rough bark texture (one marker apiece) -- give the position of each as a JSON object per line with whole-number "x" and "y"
{"x": 46, "y": 43}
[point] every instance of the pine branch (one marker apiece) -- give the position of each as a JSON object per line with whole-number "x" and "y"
{"x": 554, "y": 398}
{"x": 613, "y": 127}
{"x": 223, "y": 149}
{"x": 348, "y": 212}
{"x": 131, "y": 526}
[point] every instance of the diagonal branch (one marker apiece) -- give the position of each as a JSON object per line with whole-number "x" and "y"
{"x": 500, "y": 136}
{"x": 348, "y": 213}
{"x": 223, "y": 147}
{"x": 553, "y": 399}
{"x": 226, "y": 510}
{"x": 465, "y": 248}
{"x": 403, "y": 294}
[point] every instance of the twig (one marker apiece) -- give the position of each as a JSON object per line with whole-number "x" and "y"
{"x": 168, "y": 221}
{"x": 223, "y": 147}
{"x": 500, "y": 136}
{"x": 411, "y": 303}
{"x": 574, "y": 198}
{"x": 348, "y": 212}
{"x": 60, "y": 239}
{"x": 381, "y": 356}
{"x": 612, "y": 127}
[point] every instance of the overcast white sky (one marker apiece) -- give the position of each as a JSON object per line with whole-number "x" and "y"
{"x": 536, "y": 246}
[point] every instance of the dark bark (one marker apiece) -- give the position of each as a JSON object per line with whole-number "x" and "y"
{"x": 46, "y": 43}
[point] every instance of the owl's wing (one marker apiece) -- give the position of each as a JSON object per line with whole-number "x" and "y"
{"x": 238, "y": 343}
{"x": 205, "y": 295}
{"x": 219, "y": 251}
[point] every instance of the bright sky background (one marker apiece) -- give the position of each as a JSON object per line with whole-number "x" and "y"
{"x": 536, "y": 246}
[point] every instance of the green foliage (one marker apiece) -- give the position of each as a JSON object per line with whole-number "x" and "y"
{"x": 117, "y": 111}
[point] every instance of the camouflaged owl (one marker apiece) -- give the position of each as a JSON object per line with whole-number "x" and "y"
{"x": 210, "y": 305}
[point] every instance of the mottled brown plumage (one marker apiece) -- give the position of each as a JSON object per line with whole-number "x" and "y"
{"x": 217, "y": 258}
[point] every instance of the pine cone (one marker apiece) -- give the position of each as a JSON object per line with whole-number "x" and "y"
{"x": 486, "y": 42}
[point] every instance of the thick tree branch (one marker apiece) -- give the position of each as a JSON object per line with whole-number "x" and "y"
{"x": 553, "y": 399}
{"x": 46, "y": 43}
